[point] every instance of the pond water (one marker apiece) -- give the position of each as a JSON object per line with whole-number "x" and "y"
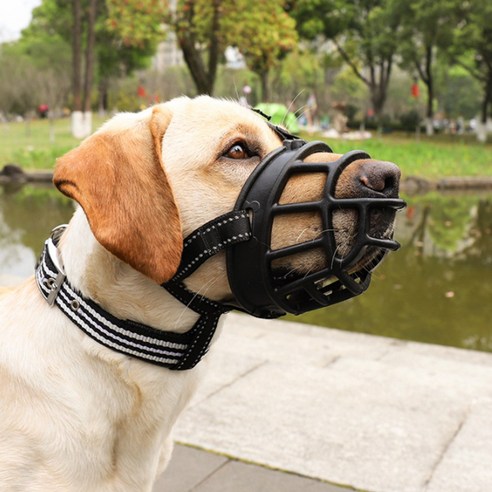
{"x": 437, "y": 288}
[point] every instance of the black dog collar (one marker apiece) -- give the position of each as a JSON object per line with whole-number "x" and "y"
{"x": 176, "y": 351}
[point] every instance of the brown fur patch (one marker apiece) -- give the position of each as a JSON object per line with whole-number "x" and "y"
{"x": 118, "y": 178}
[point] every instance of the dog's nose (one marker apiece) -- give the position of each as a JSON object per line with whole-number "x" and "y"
{"x": 381, "y": 177}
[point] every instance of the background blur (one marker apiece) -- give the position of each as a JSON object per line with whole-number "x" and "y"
{"x": 366, "y": 64}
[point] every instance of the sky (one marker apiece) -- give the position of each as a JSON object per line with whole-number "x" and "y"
{"x": 15, "y": 16}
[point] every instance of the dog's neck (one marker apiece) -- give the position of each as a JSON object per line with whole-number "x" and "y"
{"x": 114, "y": 285}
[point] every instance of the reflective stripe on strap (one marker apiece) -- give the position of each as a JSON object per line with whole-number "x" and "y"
{"x": 231, "y": 228}
{"x": 177, "y": 351}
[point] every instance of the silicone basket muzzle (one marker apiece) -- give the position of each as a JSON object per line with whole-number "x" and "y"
{"x": 250, "y": 265}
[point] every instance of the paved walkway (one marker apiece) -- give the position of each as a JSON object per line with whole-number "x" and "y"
{"x": 359, "y": 411}
{"x": 193, "y": 470}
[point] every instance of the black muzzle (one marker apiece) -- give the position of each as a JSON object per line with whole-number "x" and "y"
{"x": 258, "y": 288}
{"x": 261, "y": 288}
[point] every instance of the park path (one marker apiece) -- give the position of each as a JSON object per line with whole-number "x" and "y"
{"x": 356, "y": 410}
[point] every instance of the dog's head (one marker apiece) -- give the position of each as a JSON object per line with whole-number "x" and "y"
{"x": 147, "y": 180}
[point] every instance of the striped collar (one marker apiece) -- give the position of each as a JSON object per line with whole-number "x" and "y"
{"x": 176, "y": 351}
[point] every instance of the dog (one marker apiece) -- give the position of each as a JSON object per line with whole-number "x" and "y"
{"x": 76, "y": 415}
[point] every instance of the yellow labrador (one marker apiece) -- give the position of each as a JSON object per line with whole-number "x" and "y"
{"x": 74, "y": 414}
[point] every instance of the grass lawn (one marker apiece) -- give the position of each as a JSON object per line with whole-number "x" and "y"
{"x": 30, "y": 146}
{"x": 428, "y": 157}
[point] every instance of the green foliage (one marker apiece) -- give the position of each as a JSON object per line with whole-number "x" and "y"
{"x": 459, "y": 93}
{"x": 365, "y": 34}
{"x": 347, "y": 87}
{"x": 426, "y": 23}
{"x": 472, "y": 47}
{"x": 204, "y": 29}
{"x": 474, "y": 34}
{"x": 409, "y": 121}
{"x": 138, "y": 23}
{"x": 426, "y": 31}
{"x": 37, "y": 68}
{"x": 264, "y": 35}
{"x": 16, "y": 91}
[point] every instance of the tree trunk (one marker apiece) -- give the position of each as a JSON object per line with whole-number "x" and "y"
{"x": 203, "y": 77}
{"x": 103, "y": 95}
{"x": 486, "y": 102}
{"x": 265, "y": 86}
{"x": 378, "y": 87}
{"x": 76, "y": 55}
{"x": 194, "y": 63}
{"x": 214, "y": 47}
{"x": 378, "y": 99}
{"x": 429, "y": 82}
{"x": 89, "y": 56}
{"x": 487, "y": 99}
{"x": 429, "y": 126}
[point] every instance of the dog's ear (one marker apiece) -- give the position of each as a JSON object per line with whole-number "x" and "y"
{"x": 118, "y": 177}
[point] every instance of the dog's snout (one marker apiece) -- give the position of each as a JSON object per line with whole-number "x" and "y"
{"x": 381, "y": 177}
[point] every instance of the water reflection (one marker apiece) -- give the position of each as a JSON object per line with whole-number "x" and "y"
{"x": 27, "y": 215}
{"x": 437, "y": 288}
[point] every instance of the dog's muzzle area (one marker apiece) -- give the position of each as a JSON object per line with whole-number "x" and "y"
{"x": 306, "y": 231}
{"x": 319, "y": 227}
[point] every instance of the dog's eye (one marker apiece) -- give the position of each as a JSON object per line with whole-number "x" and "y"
{"x": 238, "y": 151}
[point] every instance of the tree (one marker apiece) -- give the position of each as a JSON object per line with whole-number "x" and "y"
{"x": 299, "y": 74}
{"x": 76, "y": 34}
{"x": 84, "y": 15}
{"x": 196, "y": 24}
{"x": 204, "y": 28}
{"x": 16, "y": 91}
{"x": 74, "y": 23}
{"x": 264, "y": 36}
{"x": 459, "y": 94}
{"x": 76, "y": 55}
{"x": 34, "y": 73}
{"x": 427, "y": 27}
{"x": 472, "y": 49}
{"x": 197, "y": 27}
{"x": 364, "y": 33}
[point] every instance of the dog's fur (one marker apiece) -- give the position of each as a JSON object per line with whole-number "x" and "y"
{"x": 74, "y": 415}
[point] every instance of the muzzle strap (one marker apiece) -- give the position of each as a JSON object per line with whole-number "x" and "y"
{"x": 206, "y": 241}
{"x": 214, "y": 236}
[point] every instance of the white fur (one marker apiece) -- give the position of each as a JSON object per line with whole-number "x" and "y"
{"x": 75, "y": 415}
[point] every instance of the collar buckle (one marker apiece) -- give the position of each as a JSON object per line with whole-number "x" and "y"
{"x": 54, "y": 285}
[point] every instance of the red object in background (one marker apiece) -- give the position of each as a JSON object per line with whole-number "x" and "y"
{"x": 140, "y": 91}
{"x": 415, "y": 90}
{"x": 43, "y": 110}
